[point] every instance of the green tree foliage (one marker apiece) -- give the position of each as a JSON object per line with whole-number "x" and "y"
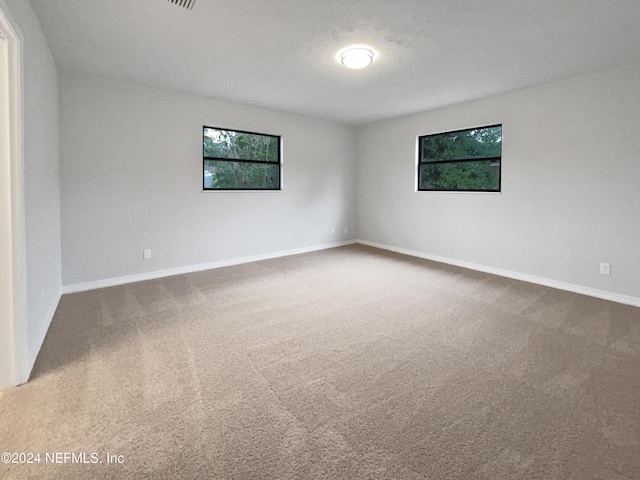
{"x": 481, "y": 175}
{"x": 458, "y": 148}
{"x": 230, "y": 145}
{"x": 463, "y": 145}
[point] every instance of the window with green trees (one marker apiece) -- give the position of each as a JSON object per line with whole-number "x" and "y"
{"x": 238, "y": 160}
{"x": 462, "y": 161}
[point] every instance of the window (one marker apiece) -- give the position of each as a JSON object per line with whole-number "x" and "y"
{"x": 461, "y": 161}
{"x": 237, "y": 160}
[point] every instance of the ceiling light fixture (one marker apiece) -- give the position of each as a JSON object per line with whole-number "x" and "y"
{"x": 356, "y": 56}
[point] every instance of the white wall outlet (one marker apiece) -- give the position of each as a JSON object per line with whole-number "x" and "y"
{"x": 333, "y": 231}
{"x": 346, "y": 230}
{"x": 146, "y": 253}
{"x": 605, "y": 269}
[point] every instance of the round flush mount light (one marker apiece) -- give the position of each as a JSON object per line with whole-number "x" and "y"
{"x": 356, "y": 56}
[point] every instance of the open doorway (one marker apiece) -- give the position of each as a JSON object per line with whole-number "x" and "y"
{"x": 13, "y": 339}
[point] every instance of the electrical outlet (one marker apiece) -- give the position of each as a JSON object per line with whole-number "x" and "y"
{"x": 146, "y": 253}
{"x": 346, "y": 230}
{"x": 605, "y": 269}
{"x": 333, "y": 231}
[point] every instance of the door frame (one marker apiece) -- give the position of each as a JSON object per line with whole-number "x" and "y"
{"x": 16, "y": 324}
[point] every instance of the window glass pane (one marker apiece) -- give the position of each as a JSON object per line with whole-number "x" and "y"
{"x": 221, "y": 143}
{"x": 240, "y": 175}
{"x": 462, "y": 145}
{"x": 478, "y": 175}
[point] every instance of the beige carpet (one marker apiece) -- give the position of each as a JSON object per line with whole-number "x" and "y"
{"x": 350, "y": 363}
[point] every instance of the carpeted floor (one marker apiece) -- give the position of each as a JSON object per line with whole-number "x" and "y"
{"x": 350, "y": 363}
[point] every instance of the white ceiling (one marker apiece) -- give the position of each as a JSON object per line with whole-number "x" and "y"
{"x": 279, "y": 54}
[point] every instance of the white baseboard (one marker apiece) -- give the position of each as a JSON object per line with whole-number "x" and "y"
{"x": 42, "y": 333}
{"x": 110, "y": 282}
{"x": 592, "y": 292}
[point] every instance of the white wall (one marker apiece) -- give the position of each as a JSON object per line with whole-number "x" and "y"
{"x": 570, "y": 184}
{"x": 132, "y": 179}
{"x": 41, "y": 174}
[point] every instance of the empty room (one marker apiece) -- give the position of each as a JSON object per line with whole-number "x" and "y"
{"x": 320, "y": 240}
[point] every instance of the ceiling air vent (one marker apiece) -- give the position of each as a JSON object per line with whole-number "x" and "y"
{"x": 188, "y": 4}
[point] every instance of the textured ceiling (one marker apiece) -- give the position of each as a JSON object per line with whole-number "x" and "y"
{"x": 279, "y": 54}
